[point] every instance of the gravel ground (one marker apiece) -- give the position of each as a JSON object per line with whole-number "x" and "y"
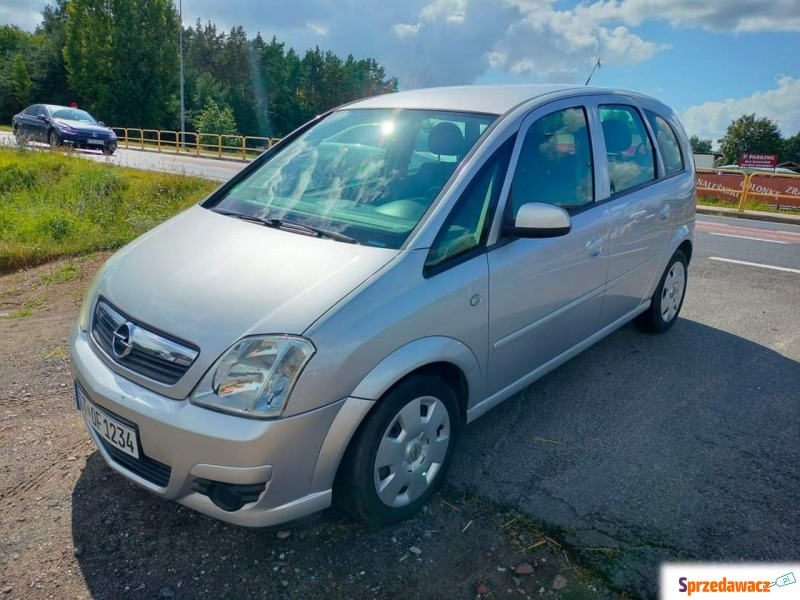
{"x": 71, "y": 528}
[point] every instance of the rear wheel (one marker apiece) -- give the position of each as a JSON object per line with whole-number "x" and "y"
{"x": 400, "y": 454}
{"x": 52, "y": 139}
{"x": 667, "y": 300}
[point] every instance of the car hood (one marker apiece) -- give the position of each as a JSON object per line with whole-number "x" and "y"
{"x": 211, "y": 279}
{"x": 83, "y": 126}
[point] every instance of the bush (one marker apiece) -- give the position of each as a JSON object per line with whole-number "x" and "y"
{"x": 53, "y": 205}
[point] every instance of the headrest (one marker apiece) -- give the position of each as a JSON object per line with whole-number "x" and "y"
{"x": 446, "y": 138}
{"x": 618, "y": 136}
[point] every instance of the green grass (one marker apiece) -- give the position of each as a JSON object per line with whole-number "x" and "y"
{"x": 6, "y": 128}
{"x": 54, "y": 205}
{"x": 749, "y": 205}
{"x": 67, "y": 272}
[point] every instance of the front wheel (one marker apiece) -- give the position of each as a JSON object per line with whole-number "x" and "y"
{"x": 52, "y": 139}
{"x": 400, "y": 454}
{"x": 667, "y": 300}
{"x": 108, "y": 151}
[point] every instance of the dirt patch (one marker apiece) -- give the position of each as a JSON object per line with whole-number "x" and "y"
{"x": 72, "y": 528}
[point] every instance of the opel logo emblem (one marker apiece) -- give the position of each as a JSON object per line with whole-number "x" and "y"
{"x": 121, "y": 342}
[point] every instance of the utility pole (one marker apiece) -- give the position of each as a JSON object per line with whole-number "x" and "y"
{"x": 183, "y": 116}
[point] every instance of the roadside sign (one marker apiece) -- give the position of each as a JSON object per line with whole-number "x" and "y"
{"x": 762, "y": 161}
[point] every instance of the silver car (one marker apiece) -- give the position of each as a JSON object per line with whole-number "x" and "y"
{"x": 323, "y": 326}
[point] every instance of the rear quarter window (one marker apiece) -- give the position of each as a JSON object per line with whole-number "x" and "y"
{"x": 667, "y": 142}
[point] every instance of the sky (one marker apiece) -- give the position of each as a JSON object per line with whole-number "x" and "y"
{"x": 710, "y": 60}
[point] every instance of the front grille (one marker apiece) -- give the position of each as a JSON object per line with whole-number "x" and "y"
{"x": 145, "y": 352}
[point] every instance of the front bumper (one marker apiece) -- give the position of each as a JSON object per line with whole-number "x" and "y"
{"x": 183, "y": 446}
{"x": 89, "y": 143}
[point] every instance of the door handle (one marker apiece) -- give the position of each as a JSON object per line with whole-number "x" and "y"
{"x": 595, "y": 246}
{"x": 663, "y": 212}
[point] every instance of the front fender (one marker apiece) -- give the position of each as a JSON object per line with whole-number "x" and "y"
{"x": 420, "y": 353}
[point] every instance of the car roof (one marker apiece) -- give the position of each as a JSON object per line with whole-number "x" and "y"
{"x": 489, "y": 99}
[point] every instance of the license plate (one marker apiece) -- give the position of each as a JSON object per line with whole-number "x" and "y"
{"x": 98, "y": 142}
{"x": 110, "y": 429}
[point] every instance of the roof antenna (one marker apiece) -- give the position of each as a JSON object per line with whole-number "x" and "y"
{"x": 596, "y": 66}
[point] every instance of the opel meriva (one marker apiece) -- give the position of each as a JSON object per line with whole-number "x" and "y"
{"x": 323, "y": 326}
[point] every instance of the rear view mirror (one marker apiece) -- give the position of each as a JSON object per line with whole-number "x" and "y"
{"x": 538, "y": 220}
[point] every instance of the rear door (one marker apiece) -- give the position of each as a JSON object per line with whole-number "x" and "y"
{"x": 640, "y": 208}
{"x": 546, "y": 294}
{"x": 27, "y": 120}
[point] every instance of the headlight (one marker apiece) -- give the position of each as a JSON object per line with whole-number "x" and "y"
{"x": 255, "y": 376}
{"x": 66, "y": 129}
{"x": 85, "y": 316}
{"x": 112, "y": 135}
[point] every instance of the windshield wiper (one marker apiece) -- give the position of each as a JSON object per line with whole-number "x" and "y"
{"x": 290, "y": 226}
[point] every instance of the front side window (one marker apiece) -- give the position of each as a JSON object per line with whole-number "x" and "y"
{"x": 467, "y": 226}
{"x": 31, "y": 111}
{"x": 369, "y": 175}
{"x": 555, "y": 163}
{"x": 667, "y": 143}
{"x": 631, "y": 160}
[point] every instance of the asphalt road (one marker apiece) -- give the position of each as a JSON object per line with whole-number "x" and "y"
{"x": 682, "y": 446}
{"x": 151, "y": 160}
{"x": 646, "y": 448}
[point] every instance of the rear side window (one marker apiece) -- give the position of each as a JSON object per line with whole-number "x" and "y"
{"x": 631, "y": 160}
{"x": 667, "y": 143}
{"x": 555, "y": 163}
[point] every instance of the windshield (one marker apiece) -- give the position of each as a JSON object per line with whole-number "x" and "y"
{"x": 71, "y": 114}
{"x": 366, "y": 174}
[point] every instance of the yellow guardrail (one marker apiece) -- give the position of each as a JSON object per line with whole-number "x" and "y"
{"x": 245, "y": 147}
{"x": 737, "y": 187}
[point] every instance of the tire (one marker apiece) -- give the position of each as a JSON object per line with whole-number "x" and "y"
{"x": 108, "y": 151}
{"x": 412, "y": 431}
{"x": 667, "y": 300}
{"x": 52, "y": 139}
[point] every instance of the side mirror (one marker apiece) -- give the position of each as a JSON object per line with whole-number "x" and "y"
{"x": 101, "y": 124}
{"x": 538, "y": 220}
{"x": 42, "y": 117}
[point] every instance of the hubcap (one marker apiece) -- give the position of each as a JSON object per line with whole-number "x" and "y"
{"x": 672, "y": 292}
{"x": 411, "y": 451}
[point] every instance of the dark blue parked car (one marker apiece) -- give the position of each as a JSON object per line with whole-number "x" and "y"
{"x": 63, "y": 125}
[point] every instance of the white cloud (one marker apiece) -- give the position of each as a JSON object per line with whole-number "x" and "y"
{"x": 554, "y": 43}
{"x": 26, "y": 14}
{"x": 715, "y": 15}
{"x": 710, "y": 120}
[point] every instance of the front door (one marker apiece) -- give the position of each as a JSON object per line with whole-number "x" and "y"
{"x": 546, "y": 294}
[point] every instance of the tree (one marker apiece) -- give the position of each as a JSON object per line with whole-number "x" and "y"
{"x": 700, "y": 146}
{"x": 21, "y": 81}
{"x": 747, "y": 134}
{"x": 791, "y": 149}
{"x": 215, "y": 119}
{"x": 122, "y": 58}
